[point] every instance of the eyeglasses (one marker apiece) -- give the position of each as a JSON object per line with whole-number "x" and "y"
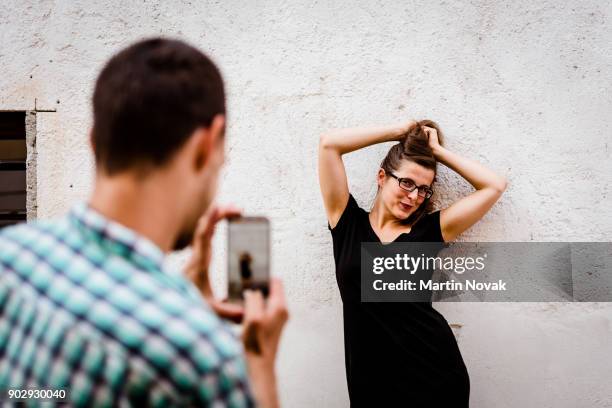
{"x": 409, "y": 185}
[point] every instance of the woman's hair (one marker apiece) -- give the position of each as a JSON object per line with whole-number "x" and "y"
{"x": 415, "y": 148}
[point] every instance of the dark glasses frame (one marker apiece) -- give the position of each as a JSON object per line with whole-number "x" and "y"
{"x": 408, "y": 184}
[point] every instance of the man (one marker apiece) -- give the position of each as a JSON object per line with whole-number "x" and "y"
{"x": 85, "y": 304}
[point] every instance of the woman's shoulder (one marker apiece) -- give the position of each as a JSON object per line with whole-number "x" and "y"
{"x": 353, "y": 205}
{"x": 429, "y": 217}
{"x": 351, "y": 213}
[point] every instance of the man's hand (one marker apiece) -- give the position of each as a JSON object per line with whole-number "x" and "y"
{"x": 197, "y": 266}
{"x": 263, "y": 325}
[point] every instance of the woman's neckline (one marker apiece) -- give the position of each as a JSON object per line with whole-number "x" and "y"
{"x": 378, "y": 238}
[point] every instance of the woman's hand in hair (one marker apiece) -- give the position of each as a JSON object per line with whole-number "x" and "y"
{"x": 406, "y": 128}
{"x": 434, "y": 142}
{"x": 334, "y": 144}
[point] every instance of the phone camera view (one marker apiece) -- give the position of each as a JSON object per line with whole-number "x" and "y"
{"x": 248, "y": 256}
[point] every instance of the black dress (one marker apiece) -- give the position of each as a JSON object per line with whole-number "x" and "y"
{"x": 396, "y": 354}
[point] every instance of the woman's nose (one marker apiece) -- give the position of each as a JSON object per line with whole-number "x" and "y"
{"x": 414, "y": 194}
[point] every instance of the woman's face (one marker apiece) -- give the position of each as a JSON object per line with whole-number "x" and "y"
{"x": 398, "y": 201}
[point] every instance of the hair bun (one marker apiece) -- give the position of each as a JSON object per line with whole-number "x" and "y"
{"x": 416, "y": 141}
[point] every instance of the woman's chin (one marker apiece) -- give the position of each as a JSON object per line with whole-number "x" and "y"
{"x": 403, "y": 214}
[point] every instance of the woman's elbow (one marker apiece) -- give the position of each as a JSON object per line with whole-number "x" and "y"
{"x": 324, "y": 141}
{"x": 327, "y": 142}
{"x": 501, "y": 185}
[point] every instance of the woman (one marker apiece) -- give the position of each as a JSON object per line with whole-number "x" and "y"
{"x": 399, "y": 354}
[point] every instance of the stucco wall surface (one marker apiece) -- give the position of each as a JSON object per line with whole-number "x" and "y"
{"x": 522, "y": 86}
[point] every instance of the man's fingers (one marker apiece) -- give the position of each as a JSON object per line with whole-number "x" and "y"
{"x": 227, "y": 211}
{"x": 230, "y": 311}
{"x": 214, "y": 214}
{"x": 253, "y": 306}
{"x": 277, "y": 291}
{"x": 205, "y": 221}
{"x": 276, "y": 301}
{"x": 208, "y": 220}
{"x": 253, "y": 318}
{"x": 251, "y": 340}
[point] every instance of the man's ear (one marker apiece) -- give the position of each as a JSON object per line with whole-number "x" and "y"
{"x": 217, "y": 128}
{"x": 207, "y": 140}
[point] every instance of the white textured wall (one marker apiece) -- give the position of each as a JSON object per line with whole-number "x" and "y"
{"x": 523, "y": 87}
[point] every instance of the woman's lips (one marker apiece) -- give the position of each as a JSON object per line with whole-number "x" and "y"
{"x": 405, "y": 207}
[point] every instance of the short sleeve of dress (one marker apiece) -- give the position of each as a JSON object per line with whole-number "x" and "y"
{"x": 347, "y": 236}
{"x": 429, "y": 227}
{"x": 348, "y": 217}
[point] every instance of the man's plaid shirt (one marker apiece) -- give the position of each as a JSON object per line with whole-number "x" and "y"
{"x": 86, "y": 306}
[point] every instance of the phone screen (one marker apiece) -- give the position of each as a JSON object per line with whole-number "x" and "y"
{"x": 248, "y": 255}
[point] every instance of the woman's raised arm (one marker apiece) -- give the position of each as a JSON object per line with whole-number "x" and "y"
{"x": 332, "y": 175}
{"x": 465, "y": 212}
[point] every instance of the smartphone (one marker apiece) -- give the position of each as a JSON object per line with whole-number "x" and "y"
{"x": 248, "y": 256}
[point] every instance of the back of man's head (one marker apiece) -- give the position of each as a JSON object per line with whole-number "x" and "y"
{"x": 148, "y": 100}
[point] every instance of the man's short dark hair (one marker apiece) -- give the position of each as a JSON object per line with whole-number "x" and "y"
{"x": 148, "y": 100}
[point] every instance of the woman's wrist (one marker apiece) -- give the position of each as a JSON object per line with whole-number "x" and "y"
{"x": 392, "y": 133}
{"x": 403, "y": 128}
{"x": 439, "y": 153}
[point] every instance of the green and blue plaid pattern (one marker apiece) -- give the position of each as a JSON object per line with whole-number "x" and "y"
{"x": 86, "y": 306}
